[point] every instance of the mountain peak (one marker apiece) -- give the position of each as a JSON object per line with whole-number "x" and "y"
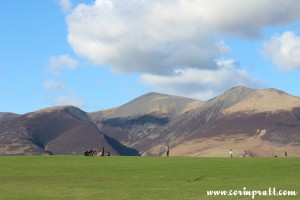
{"x": 76, "y": 112}
{"x": 231, "y": 97}
{"x": 265, "y": 100}
{"x": 152, "y": 103}
{"x": 240, "y": 91}
{"x": 7, "y": 115}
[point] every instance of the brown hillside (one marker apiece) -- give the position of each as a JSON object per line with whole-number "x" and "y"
{"x": 58, "y": 130}
{"x": 256, "y": 121}
{"x": 248, "y": 121}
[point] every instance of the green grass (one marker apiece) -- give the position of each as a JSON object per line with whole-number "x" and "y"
{"x": 108, "y": 178}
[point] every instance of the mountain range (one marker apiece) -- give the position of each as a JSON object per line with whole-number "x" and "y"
{"x": 250, "y": 122}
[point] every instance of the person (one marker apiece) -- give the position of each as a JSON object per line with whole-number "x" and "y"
{"x": 103, "y": 152}
{"x": 231, "y": 153}
{"x": 108, "y": 153}
{"x": 168, "y": 150}
{"x": 285, "y": 153}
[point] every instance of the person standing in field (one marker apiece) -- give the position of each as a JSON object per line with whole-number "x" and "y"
{"x": 103, "y": 152}
{"x": 285, "y": 153}
{"x": 231, "y": 153}
{"x": 168, "y": 150}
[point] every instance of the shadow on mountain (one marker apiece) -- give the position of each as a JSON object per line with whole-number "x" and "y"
{"x": 296, "y": 112}
{"x": 120, "y": 148}
{"x": 128, "y": 122}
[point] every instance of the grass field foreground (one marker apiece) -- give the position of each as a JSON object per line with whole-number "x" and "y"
{"x": 130, "y": 178}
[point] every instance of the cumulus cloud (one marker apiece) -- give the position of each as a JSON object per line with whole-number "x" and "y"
{"x": 173, "y": 42}
{"x": 155, "y": 36}
{"x": 142, "y": 36}
{"x": 57, "y": 63}
{"x": 201, "y": 83}
{"x": 245, "y": 18}
{"x": 65, "y": 5}
{"x": 284, "y": 51}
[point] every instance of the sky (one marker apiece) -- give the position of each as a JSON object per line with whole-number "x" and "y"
{"x": 99, "y": 54}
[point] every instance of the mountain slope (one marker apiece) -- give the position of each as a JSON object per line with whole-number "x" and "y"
{"x": 7, "y": 116}
{"x": 251, "y": 122}
{"x": 136, "y": 123}
{"x": 266, "y": 100}
{"x": 57, "y": 130}
{"x": 256, "y": 121}
{"x": 151, "y": 104}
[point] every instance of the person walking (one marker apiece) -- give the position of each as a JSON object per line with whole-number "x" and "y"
{"x": 168, "y": 150}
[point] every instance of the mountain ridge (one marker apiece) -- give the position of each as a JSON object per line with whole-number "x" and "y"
{"x": 252, "y": 120}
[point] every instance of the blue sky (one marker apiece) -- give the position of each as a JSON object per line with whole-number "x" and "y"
{"x": 101, "y": 54}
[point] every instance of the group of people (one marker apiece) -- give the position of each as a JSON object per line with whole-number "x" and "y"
{"x": 102, "y": 152}
{"x": 245, "y": 153}
{"x": 94, "y": 152}
{"x": 285, "y": 154}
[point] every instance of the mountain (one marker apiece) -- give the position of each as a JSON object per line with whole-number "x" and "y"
{"x": 138, "y": 122}
{"x": 151, "y": 104}
{"x": 56, "y": 130}
{"x": 7, "y": 116}
{"x": 259, "y": 122}
{"x": 251, "y": 122}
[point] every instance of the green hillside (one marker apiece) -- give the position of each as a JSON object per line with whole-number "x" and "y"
{"x": 108, "y": 178}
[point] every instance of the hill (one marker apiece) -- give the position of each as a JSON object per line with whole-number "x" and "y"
{"x": 56, "y": 130}
{"x": 6, "y": 116}
{"x": 251, "y": 122}
{"x": 260, "y": 122}
{"x": 137, "y": 123}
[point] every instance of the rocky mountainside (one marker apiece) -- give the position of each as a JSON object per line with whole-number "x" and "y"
{"x": 260, "y": 122}
{"x": 141, "y": 120}
{"x": 7, "y": 116}
{"x": 248, "y": 121}
{"x": 56, "y": 130}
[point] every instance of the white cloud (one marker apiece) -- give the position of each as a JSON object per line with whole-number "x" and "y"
{"x": 284, "y": 51}
{"x": 69, "y": 99}
{"x": 57, "y": 63}
{"x": 141, "y": 36}
{"x": 65, "y": 5}
{"x": 223, "y": 48}
{"x": 245, "y": 18}
{"x": 174, "y": 42}
{"x": 61, "y": 95}
{"x": 53, "y": 85}
{"x": 156, "y": 36}
{"x": 201, "y": 83}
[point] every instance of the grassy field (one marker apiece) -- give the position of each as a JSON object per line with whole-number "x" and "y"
{"x": 79, "y": 177}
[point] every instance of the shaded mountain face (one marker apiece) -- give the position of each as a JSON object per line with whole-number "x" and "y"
{"x": 140, "y": 121}
{"x": 58, "y": 130}
{"x": 250, "y": 122}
